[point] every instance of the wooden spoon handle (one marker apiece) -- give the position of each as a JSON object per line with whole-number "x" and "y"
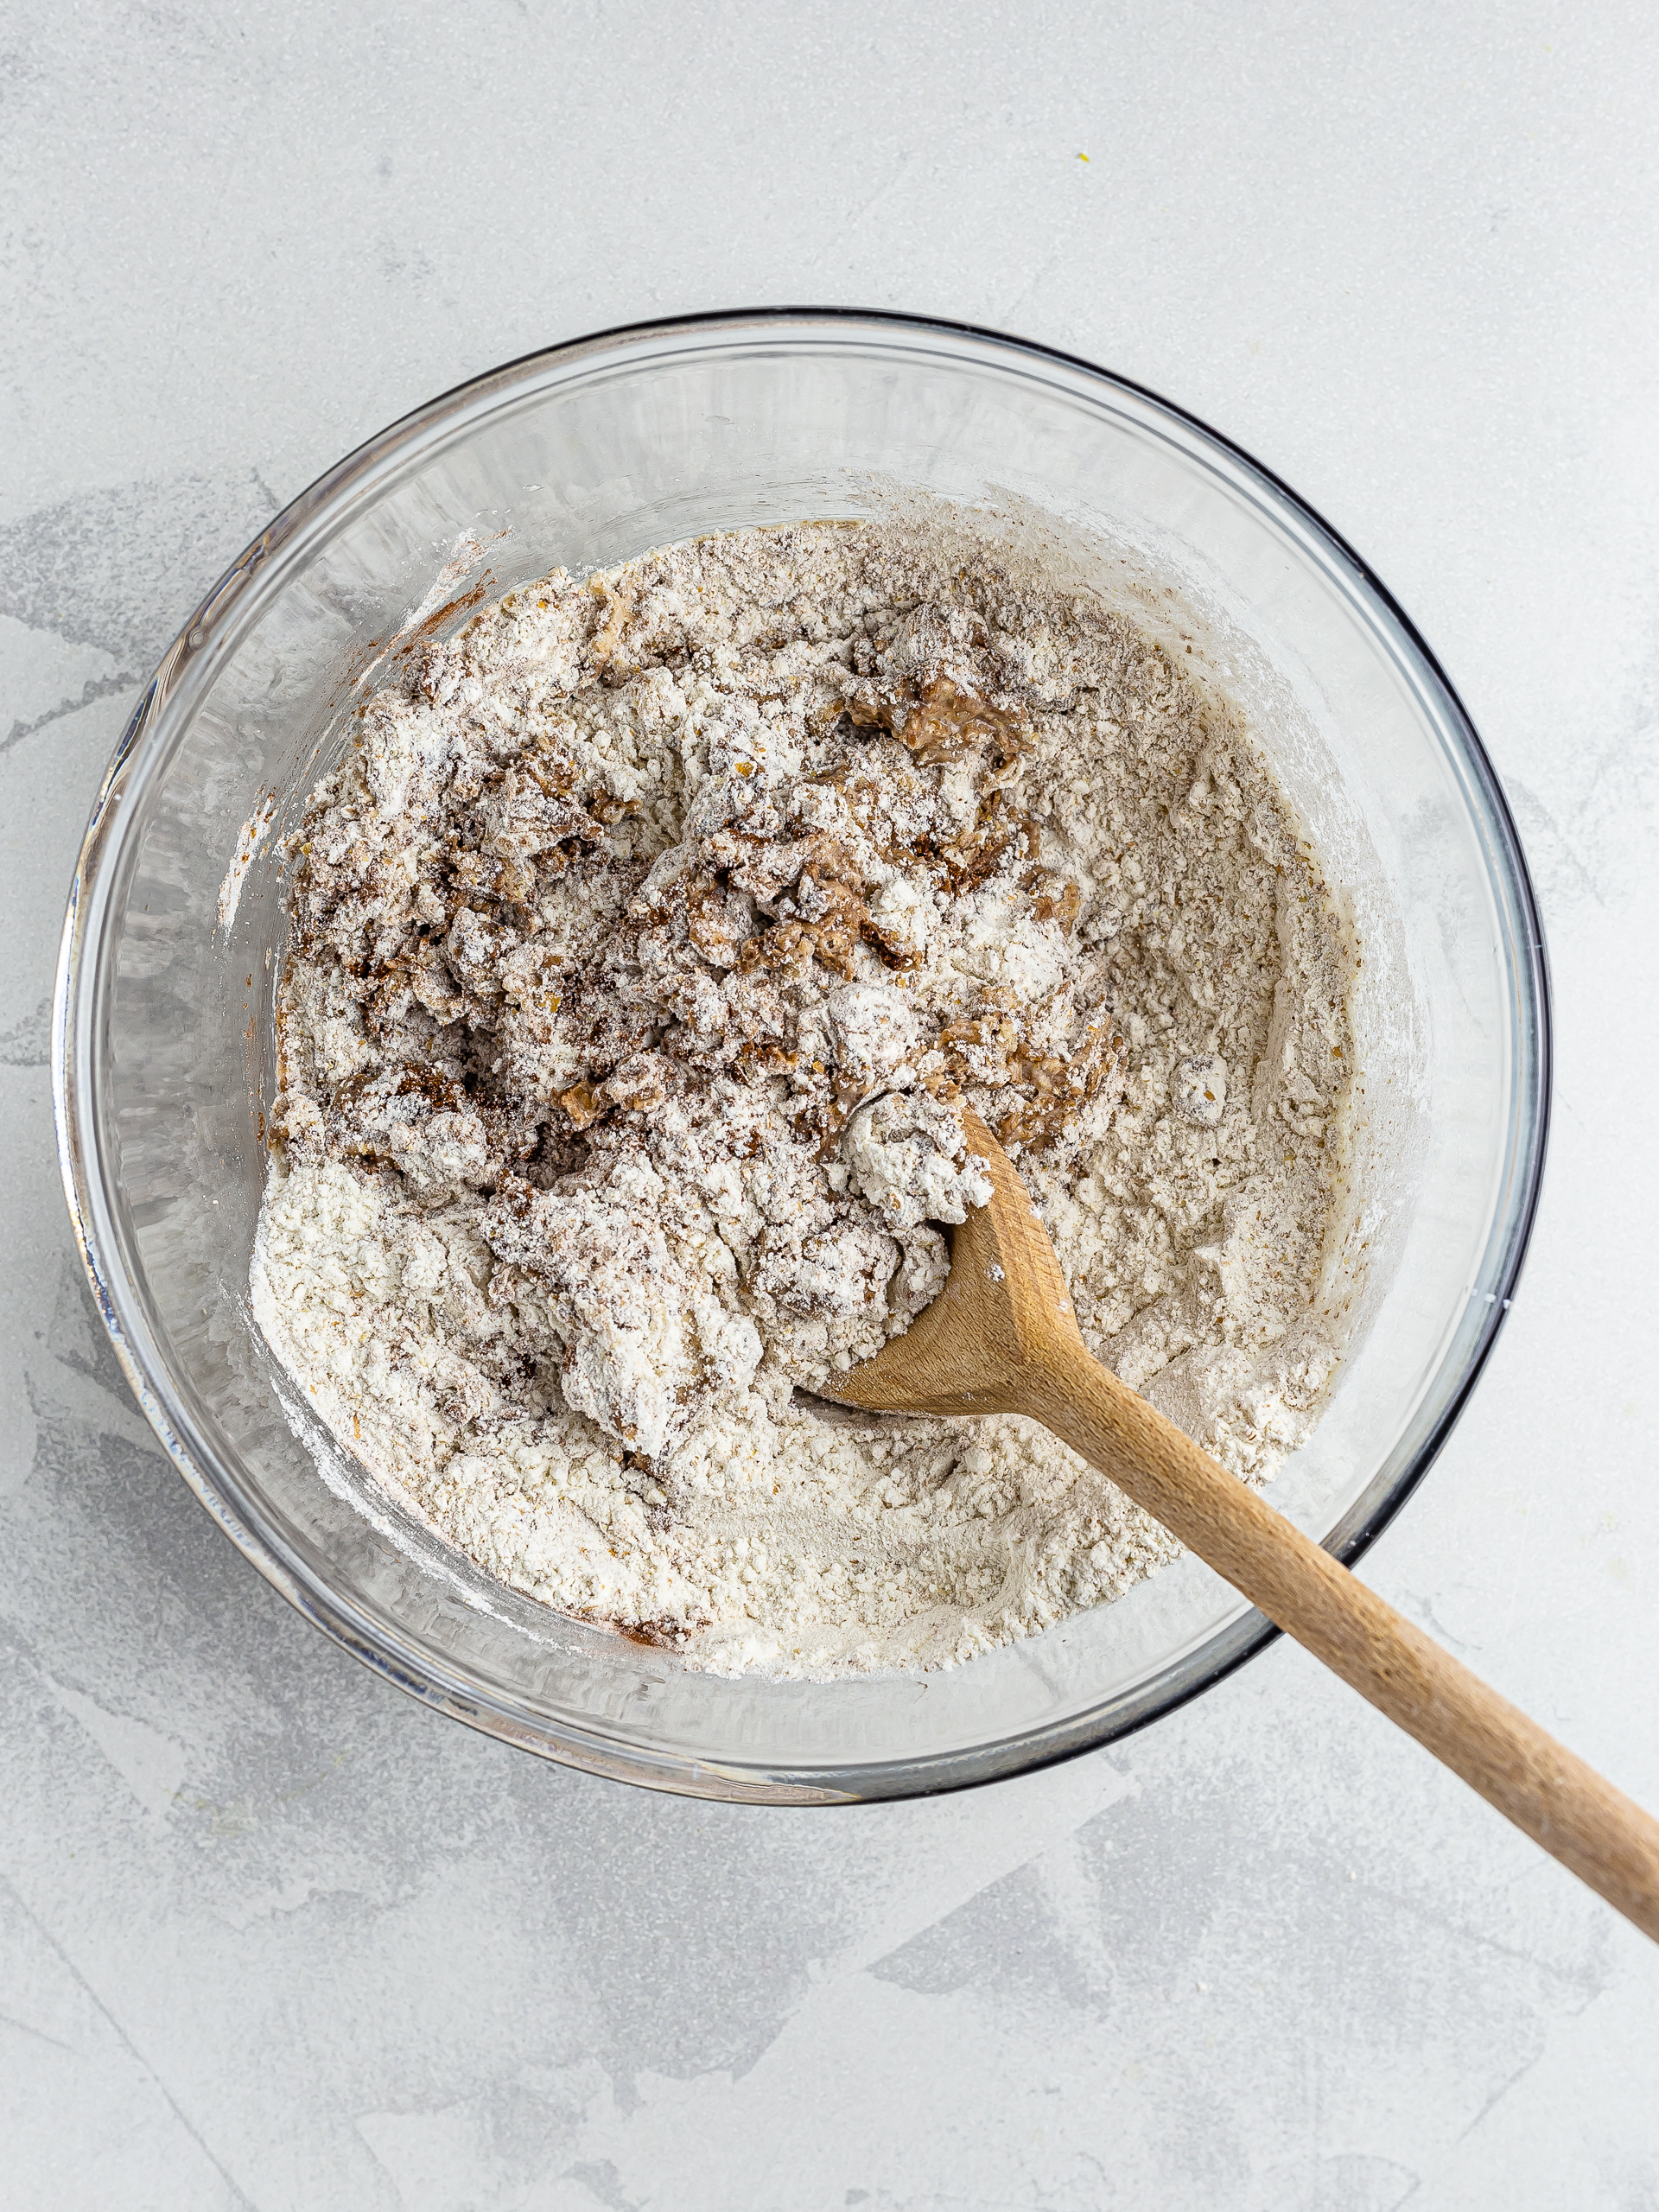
{"x": 1607, "y": 1841}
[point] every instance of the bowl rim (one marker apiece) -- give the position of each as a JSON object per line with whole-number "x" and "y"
{"x": 115, "y": 1293}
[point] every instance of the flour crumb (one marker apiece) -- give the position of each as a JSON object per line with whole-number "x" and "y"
{"x": 649, "y": 939}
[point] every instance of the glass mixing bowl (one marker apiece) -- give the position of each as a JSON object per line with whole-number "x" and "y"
{"x": 580, "y": 457}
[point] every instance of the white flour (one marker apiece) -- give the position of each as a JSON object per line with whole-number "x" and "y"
{"x": 644, "y": 945}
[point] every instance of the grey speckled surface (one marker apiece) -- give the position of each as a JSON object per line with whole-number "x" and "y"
{"x": 270, "y": 1936}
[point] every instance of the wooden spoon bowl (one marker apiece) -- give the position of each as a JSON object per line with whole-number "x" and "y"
{"x": 1002, "y": 1338}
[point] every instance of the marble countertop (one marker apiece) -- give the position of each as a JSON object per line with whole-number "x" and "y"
{"x": 269, "y": 1935}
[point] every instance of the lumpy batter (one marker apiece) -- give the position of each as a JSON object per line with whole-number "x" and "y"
{"x": 647, "y": 939}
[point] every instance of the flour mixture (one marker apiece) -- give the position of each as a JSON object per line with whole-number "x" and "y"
{"x": 646, "y": 941}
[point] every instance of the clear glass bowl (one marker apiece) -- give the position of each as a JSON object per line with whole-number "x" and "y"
{"x": 582, "y": 456}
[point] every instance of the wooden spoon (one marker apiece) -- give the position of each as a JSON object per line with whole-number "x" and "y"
{"x": 1001, "y": 1338}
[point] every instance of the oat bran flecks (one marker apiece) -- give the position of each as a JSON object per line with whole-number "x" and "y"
{"x": 645, "y": 940}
